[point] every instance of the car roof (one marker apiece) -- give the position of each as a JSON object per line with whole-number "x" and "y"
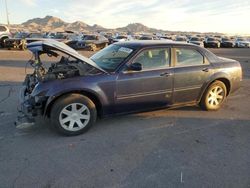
{"x": 151, "y": 43}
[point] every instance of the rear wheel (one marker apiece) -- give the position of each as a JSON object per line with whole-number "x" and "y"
{"x": 73, "y": 114}
{"x": 214, "y": 96}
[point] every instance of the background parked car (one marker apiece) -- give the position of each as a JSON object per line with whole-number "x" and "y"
{"x": 20, "y": 40}
{"x": 34, "y": 36}
{"x": 242, "y": 43}
{"x": 146, "y": 38}
{"x": 17, "y": 42}
{"x": 211, "y": 42}
{"x": 181, "y": 39}
{"x": 227, "y": 43}
{"x": 4, "y": 34}
{"x": 196, "y": 40}
{"x": 120, "y": 38}
{"x": 89, "y": 42}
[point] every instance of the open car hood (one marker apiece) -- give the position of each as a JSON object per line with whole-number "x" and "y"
{"x": 50, "y": 44}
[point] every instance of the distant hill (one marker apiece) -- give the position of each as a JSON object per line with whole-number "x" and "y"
{"x": 50, "y": 23}
{"x": 134, "y": 27}
{"x": 138, "y": 28}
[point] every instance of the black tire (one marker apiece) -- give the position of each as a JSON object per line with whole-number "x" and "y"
{"x": 2, "y": 42}
{"x": 66, "y": 103}
{"x": 208, "y": 101}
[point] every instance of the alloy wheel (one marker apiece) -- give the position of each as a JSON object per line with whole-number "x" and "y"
{"x": 216, "y": 96}
{"x": 74, "y": 117}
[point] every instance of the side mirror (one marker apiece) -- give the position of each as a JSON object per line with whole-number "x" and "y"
{"x": 135, "y": 67}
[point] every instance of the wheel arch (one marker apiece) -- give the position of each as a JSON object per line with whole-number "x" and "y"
{"x": 96, "y": 100}
{"x": 224, "y": 80}
{"x": 4, "y": 37}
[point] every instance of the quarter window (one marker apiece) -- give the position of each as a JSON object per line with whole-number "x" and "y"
{"x": 154, "y": 58}
{"x": 188, "y": 57}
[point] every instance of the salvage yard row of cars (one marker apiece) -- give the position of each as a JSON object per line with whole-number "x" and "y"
{"x": 97, "y": 41}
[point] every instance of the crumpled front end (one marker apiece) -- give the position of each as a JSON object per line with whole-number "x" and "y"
{"x": 28, "y": 106}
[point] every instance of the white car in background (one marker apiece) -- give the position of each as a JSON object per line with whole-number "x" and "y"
{"x": 4, "y": 34}
{"x": 197, "y": 41}
{"x": 181, "y": 39}
{"x": 242, "y": 43}
{"x": 120, "y": 38}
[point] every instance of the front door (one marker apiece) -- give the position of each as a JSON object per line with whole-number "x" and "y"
{"x": 149, "y": 88}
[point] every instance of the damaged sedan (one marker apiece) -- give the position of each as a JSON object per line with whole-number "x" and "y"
{"x": 124, "y": 77}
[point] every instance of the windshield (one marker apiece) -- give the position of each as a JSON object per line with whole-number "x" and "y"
{"x": 195, "y": 39}
{"x": 146, "y": 38}
{"x": 90, "y": 37}
{"x": 211, "y": 39}
{"x": 121, "y": 37}
{"x": 180, "y": 39}
{"x": 36, "y": 35}
{"x": 226, "y": 40}
{"x": 242, "y": 39}
{"x": 20, "y": 35}
{"x": 60, "y": 36}
{"x": 111, "y": 57}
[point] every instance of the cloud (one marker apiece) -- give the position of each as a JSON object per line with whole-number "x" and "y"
{"x": 184, "y": 15}
{"x": 173, "y": 15}
{"x": 55, "y": 11}
{"x": 29, "y": 2}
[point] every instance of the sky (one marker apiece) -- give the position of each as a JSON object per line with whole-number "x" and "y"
{"x": 226, "y": 16}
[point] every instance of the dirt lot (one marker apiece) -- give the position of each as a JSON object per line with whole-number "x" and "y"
{"x": 183, "y": 147}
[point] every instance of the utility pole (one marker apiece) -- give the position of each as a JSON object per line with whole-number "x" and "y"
{"x": 7, "y": 13}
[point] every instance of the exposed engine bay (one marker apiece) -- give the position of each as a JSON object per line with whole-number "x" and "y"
{"x": 67, "y": 67}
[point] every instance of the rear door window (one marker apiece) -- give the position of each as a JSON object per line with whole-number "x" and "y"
{"x": 188, "y": 57}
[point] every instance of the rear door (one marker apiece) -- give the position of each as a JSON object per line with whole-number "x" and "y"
{"x": 151, "y": 87}
{"x": 191, "y": 70}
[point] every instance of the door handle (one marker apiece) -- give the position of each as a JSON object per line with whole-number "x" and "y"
{"x": 205, "y": 70}
{"x": 166, "y": 74}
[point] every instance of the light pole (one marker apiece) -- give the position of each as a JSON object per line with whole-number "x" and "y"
{"x": 7, "y": 13}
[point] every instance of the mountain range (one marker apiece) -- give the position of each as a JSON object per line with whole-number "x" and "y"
{"x": 50, "y": 23}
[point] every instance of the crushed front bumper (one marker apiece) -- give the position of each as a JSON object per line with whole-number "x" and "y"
{"x": 26, "y": 113}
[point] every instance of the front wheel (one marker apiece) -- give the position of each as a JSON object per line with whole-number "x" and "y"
{"x": 73, "y": 114}
{"x": 214, "y": 96}
{"x": 2, "y": 42}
